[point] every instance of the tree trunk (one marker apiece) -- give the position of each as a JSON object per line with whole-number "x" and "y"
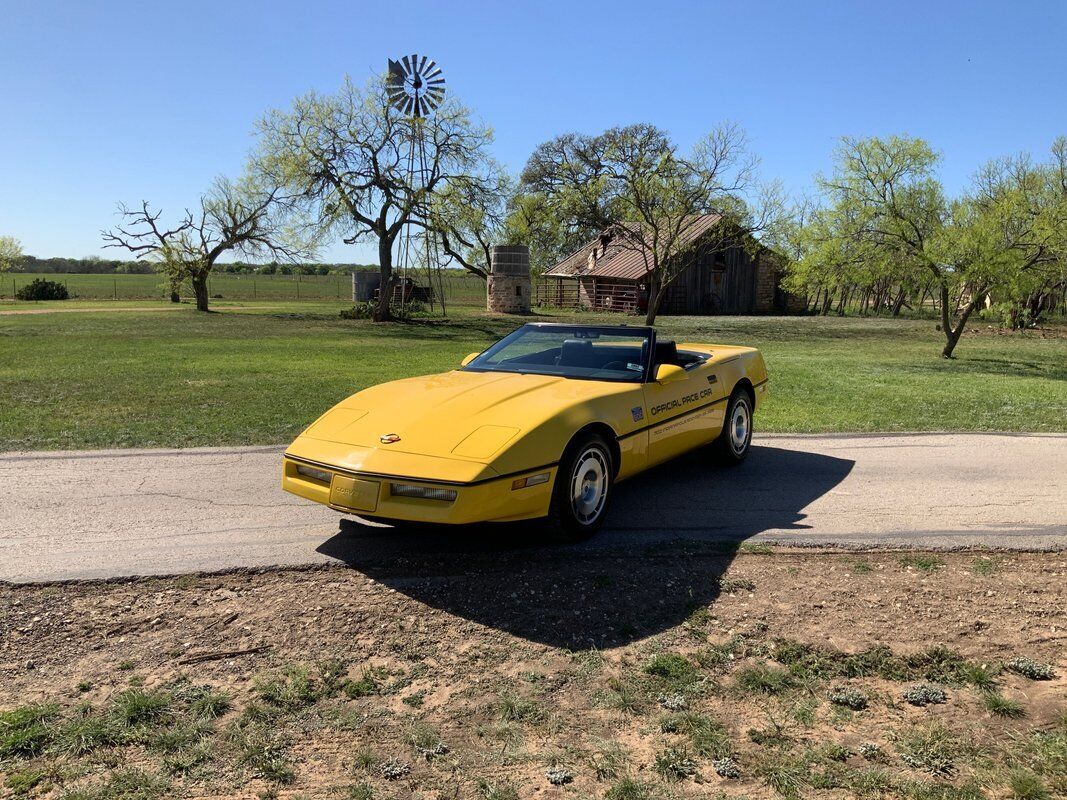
{"x": 383, "y": 312}
{"x": 199, "y": 281}
{"x": 899, "y": 303}
{"x": 174, "y": 296}
{"x": 952, "y": 334}
{"x": 655, "y": 295}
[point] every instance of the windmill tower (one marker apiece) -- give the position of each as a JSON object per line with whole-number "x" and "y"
{"x": 416, "y": 87}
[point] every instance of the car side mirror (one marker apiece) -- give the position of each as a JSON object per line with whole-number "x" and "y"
{"x": 669, "y": 373}
{"x": 469, "y": 359}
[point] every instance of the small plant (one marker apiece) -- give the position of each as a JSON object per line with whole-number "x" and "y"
{"x": 931, "y": 748}
{"x": 497, "y": 791}
{"x": 512, "y": 708}
{"x": 415, "y": 700}
{"x": 671, "y": 666}
{"x": 983, "y": 566}
{"x": 871, "y": 751}
{"x": 262, "y": 753}
{"x": 982, "y": 676}
{"x": 731, "y": 583}
{"x": 675, "y": 763}
{"x": 367, "y": 685}
{"x": 756, "y": 548}
{"x": 365, "y": 759}
{"x": 23, "y": 732}
{"x": 924, "y": 694}
{"x": 923, "y": 562}
{"x": 765, "y": 679}
{"x": 138, "y": 707}
{"x": 394, "y": 769}
{"x": 628, "y": 789}
{"x": 848, "y": 697}
{"x": 425, "y": 741}
{"x": 1031, "y": 669}
{"x": 289, "y": 690}
{"x": 84, "y": 686}
{"x": 361, "y": 791}
{"x": 1025, "y": 785}
{"x": 41, "y": 289}
{"x": 558, "y": 776}
{"x": 726, "y": 767}
{"x": 1001, "y": 706}
{"x": 609, "y": 760}
{"x": 674, "y": 701}
{"x": 862, "y": 567}
{"x": 127, "y": 784}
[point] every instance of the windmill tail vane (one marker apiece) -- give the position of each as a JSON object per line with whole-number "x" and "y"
{"x": 415, "y": 85}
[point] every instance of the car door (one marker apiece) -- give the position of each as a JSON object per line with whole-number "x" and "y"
{"x": 683, "y": 413}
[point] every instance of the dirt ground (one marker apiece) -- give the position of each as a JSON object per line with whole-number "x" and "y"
{"x": 618, "y": 677}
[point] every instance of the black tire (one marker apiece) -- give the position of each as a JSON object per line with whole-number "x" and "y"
{"x": 733, "y": 444}
{"x": 582, "y": 491}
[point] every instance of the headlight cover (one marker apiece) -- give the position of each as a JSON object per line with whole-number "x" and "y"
{"x": 422, "y": 492}
{"x": 315, "y": 474}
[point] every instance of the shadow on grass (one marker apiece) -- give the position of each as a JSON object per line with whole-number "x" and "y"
{"x": 671, "y": 534}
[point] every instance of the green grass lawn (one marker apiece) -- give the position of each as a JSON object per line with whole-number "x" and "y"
{"x": 148, "y": 379}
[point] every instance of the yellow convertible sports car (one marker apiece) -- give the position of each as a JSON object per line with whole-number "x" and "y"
{"x": 542, "y": 424}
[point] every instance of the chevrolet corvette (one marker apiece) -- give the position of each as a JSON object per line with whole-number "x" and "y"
{"x": 544, "y": 423}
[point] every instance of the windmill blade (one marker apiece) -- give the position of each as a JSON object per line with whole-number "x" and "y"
{"x": 407, "y": 67}
{"x": 422, "y": 64}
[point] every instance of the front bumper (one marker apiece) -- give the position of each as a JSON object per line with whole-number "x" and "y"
{"x": 372, "y": 495}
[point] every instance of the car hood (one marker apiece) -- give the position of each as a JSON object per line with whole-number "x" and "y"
{"x": 456, "y": 415}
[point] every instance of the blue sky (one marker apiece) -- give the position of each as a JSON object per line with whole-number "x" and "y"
{"x": 114, "y": 101}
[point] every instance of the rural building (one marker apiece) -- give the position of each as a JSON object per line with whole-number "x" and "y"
{"x": 606, "y": 275}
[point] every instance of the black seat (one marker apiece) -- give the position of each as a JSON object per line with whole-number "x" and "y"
{"x": 577, "y": 353}
{"x": 666, "y": 353}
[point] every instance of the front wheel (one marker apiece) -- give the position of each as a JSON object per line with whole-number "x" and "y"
{"x": 734, "y": 442}
{"x": 583, "y": 487}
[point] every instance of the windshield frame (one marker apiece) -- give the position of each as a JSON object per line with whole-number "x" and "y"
{"x": 643, "y": 331}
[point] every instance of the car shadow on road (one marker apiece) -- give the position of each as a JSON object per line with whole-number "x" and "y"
{"x": 671, "y": 535}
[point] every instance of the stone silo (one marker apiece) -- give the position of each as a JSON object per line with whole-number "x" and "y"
{"x": 510, "y": 289}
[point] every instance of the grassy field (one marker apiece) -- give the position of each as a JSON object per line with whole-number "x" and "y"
{"x": 126, "y": 378}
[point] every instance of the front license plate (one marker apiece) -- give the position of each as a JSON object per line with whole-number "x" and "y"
{"x": 354, "y": 493}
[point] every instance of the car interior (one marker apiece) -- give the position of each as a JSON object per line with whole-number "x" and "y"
{"x": 586, "y": 355}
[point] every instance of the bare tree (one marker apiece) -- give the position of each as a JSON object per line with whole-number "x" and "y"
{"x": 633, "y": 183}
{"x": 349, "y": 158}
{"x": 233, "y": 217}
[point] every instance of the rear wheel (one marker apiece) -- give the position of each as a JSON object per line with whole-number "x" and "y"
{"x": 583, "y": 487}
{"x": 734, "y": 442}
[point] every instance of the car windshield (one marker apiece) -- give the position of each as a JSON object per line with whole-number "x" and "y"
{"x": 578, "y": 351}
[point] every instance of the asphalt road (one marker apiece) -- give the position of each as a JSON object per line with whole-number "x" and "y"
{"x": 141, "y": 512}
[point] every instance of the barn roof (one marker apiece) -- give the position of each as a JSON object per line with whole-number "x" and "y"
{"x": 617, "y": 260}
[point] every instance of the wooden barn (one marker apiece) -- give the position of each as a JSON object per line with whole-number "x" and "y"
{"x": 605, "y": 275}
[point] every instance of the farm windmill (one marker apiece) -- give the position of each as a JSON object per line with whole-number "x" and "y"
{"x": 416, "y": 88}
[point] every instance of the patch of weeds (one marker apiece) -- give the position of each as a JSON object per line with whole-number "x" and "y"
{"x": 674, "y": 764}
{"x": 609, "y": 760}
{"x": 124, "y": 666}
{"x": 24, "y": 732}
{"x": 178, "y": 737}
{"x": 84, "y": 732}
{"x": 138, "y": 707}
{"x": 262, "y": 753}
{"x": 804, "y": 711}
{"x": 707, "y": 736}
{"x": 674, "y": 701}
{"x": 1025, "y": 785}
{"x": 849, "y": 697}
{"x": 187, "y": 759}
{"x": 558, "y": 776}
{"x": 589, "y": 662}
{"x": 512, "y": 708}
{"x": 983, "y": 566}
{"x": 930, "y": 748}
{"x": 672, "y": 668}
{"x": 834, "y": 752}
{"x": 871, "y": 752}
{"x": 127, "y": 784}
{"x": 736, "y": 583}
{"x": 497, "y": 791}
{"x": 764, "y": 679}
{"x": 368, "y": 683}
{"x": 394, "y": 769}
{"x": 982, "y": 676}
{"x": 1034, "y": 670}
{"x": 1001, "y": 706}
{"x": 365, "y": 758}
{"x": 699, "y": 617}
{"x": 202, "y": 700}
{"x": 289, "y": 690}
{"x": 22, "y": 782}
{"x": 360, "y": 791}
{"x": 628, "y": 789}
{"x": 714, "y": 657}
{"x": 923, "y": 694}
{"x": 774, "y": 736}
{"x": 756, "y": 548}
{"x": 331, "y": 675}
{"x": 862, "y": 567}
{"x": 726, "y": 767}
{"x": 425, "y": 741}
{"x": 923, "y": 562}
{"x": 623, "y": 695}
{"x": 84, "y": 686}
{"x": 783, "y": 774}
{"x": 415, "y": 700}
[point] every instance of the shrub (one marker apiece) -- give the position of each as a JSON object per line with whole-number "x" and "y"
{"x": 1031, "y": 669}
{"x": 848, "y": 697}
{"x": 675, "y": 763}
{"x": 924, "y": 694}
{"x": 41, "y": 289}
{"x": 765, "y": 680}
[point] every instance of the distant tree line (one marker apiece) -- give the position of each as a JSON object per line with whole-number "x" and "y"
{"x": 94, "y": 265}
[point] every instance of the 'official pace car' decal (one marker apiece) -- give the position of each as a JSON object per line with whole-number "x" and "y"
{"x": 682, "y": 401}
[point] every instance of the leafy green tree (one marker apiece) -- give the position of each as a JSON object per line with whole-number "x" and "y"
{"x": 348, "y": 158}
{"x": 10, "y": 253}
{"x": 241, "y": 217}
{"x": 634, "y": 182}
